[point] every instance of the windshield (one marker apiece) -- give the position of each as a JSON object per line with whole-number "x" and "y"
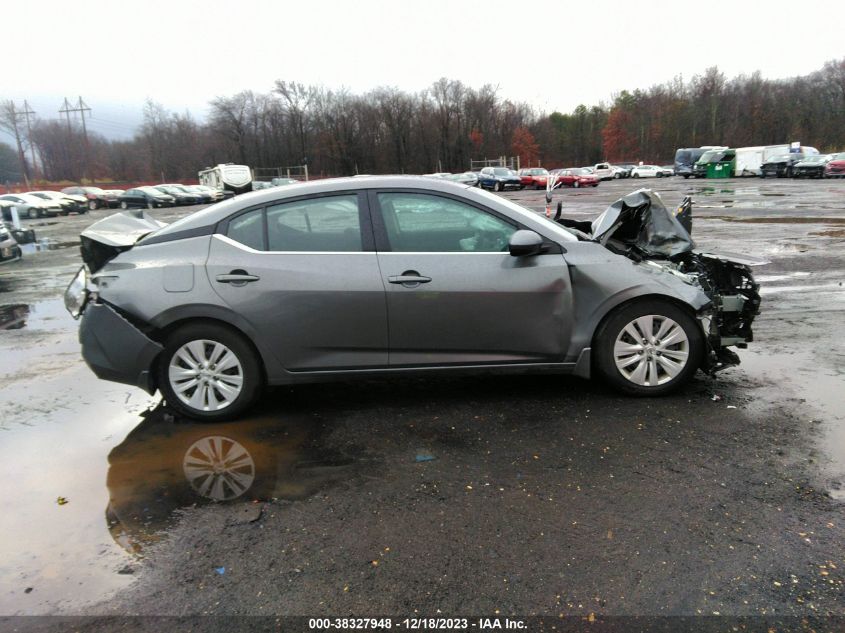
{"x": 538, "y": 172}
{"x": 502, "y": 171}
{"x": 782, "y": 158}
{"x": 94, "y": 190}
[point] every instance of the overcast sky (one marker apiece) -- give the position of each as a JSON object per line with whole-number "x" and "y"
{"x": 553, "y": 55}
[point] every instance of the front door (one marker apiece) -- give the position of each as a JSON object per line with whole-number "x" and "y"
{"x": 305, "y": 275}
{"x": 455, "y": 295}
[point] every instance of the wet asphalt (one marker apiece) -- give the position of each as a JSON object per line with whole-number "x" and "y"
{"x": 528, "y": 495}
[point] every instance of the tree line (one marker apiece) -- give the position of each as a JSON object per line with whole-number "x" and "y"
{"x": 387, "y": 130}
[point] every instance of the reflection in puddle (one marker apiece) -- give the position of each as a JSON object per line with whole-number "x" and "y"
{"x": 13, "y": 317}
{"x": 42, "y": 315}
{"x": 46, "y": 244}
{"x": 166, "y": 464}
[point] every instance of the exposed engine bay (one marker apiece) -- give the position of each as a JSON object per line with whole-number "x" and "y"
{"x": 640, "y": 227}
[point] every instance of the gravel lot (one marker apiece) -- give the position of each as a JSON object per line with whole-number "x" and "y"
{"x": 528, "y": 495}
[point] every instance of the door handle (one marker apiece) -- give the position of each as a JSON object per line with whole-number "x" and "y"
{"x": 409, "y": 279}
{"x": 237, "y": 278}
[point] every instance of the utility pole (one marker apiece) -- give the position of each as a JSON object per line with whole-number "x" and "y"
{"x": 66, "y": 110}
{"x": 26, "y": 112}
{"x": 13, "y": 115}
{"x": 82, "y": 108}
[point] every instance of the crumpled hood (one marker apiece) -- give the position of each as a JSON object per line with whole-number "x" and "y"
{"x": 640, "y": 219}
{"x": 122, "y": 229}
{"x": 110, "y": 236}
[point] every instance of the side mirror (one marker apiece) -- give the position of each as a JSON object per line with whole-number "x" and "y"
{"x": 525, "y": 243}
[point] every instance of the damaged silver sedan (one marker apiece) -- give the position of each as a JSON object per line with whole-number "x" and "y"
{"x": 398, "y": 275}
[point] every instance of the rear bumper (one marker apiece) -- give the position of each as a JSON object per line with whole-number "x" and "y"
{"x": 115, "y": 349}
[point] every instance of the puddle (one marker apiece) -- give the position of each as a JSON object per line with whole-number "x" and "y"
{"x": 125, "y": 470}
{"x": 825, "y": 288}
{"x": 46, "y": 244}
{"x": 821, "y": 388}
{"x": 778, "y": 219}
{"x": 164, "y": 465}
{"x": 44, "y": 315}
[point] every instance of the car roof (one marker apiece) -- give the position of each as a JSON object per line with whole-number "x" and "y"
{"x": 215, "y": 213}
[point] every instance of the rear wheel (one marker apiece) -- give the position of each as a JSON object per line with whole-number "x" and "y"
{"x": 648, "y": 348}
{"x": 150, "y": 204}
{"x": 124, "y": 205}
{"x": 32, "y": 213}
{"x": 209, "y": 372}
{"x": 576, "y": 184}
{"x": 92, "y": 205}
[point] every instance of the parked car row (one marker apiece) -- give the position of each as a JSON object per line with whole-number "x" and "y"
{"x": 168, "y": 195}
{"x": 801, "y": 166}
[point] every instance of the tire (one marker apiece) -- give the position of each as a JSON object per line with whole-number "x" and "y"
{"x": 660, "y": 174}
{"x": 617, "y": 176}
{"x": 576, "y": 184}
{"x": 616, "y": 350}
{"x": 124, "y": 205}
{"x": 686, "y": 176}
{"x": 92, "y": 205}
{"x": 64, "y": 214}
{"x": 32, "y": 213}
{"x": 195, "y": 386}
{"x": 150, "y": 204}
{"x": 635, "y": 176}
{"x": 497, "y": 186}
{"x": 762, "y": 174}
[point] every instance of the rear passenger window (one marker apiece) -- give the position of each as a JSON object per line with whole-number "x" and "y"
{"x": 327, "y": 224}
{"x": 248, "y": 229}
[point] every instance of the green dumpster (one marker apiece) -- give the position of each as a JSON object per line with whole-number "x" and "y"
{"x": 719, "y": 170}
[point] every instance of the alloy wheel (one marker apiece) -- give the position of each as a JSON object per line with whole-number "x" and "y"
{"x": 651, "y": 350}
{"x": 206, "y": 375}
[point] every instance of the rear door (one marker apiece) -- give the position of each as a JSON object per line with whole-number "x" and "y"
{"x": 305, "y": 275}
{"x": 455, "y": 295}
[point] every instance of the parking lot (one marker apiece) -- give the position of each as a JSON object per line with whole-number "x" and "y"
{"x": 529, "y": 495}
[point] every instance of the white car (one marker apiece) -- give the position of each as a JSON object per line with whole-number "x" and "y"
{"x": 651, "y": 171}
{"x": 606, "y": 171}
{"x": 32, "y": 207}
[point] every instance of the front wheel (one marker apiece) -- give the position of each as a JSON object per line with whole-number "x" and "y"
{"x": 209, "y": 372}
{"x": 124, "y": 205}
{"x": 92, "y": 205}
{"x": 497, "y": 186}
{"x": 648, "y": 348}
{"x": 636, "y": 176}
{"x": 32, "y": 213}
{"x": 576, "y": 184}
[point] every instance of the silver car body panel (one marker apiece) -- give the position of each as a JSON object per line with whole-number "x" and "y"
{"x": 312, "y": 316}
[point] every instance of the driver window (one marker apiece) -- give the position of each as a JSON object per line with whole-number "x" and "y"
{"x": 422, "y": 223}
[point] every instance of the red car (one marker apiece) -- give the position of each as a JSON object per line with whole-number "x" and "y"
{"x": 836, "y": 167}
{"x": 577, "y": 177}
{"x": 534, "y": 177}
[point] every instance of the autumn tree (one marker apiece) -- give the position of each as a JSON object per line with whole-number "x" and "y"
{"x": 524, "y": 146}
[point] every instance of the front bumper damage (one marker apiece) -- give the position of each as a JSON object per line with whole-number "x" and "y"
{"x": 115, "y": 349}
{"x": 735, "y": 302}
